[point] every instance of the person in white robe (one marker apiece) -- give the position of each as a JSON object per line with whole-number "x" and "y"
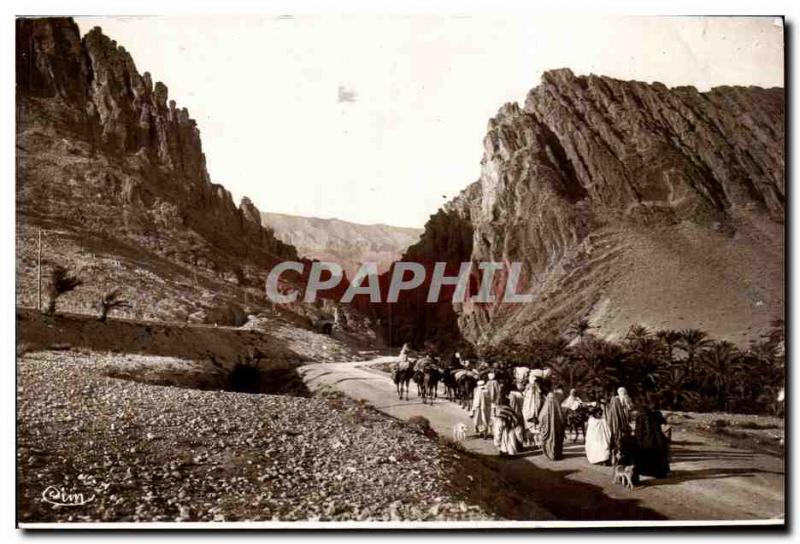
{"x": 507, "y": 430}
{"x": 493, "y": 388}
{"x": 598, "y": 438}
{"x": 516, "y": 400}
{"x": 521, "y": 376}
{"x": 403, "y": 357}
{"x": 625, "y": 400}
{"x": 507, "y": 426}
{"x": 573, "y": 401}
{"x": 481, "y": 410}
{"x": 532, "y": 403}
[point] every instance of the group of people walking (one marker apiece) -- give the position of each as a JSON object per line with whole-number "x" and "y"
{"x": 618, "y": 434}
{"x": 525, "y": 410}
{"x": 521, "y": 419}
{"x": 536, "y": 417}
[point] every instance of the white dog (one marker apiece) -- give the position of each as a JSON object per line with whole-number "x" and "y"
{"x": 624, "y": 475}
{"x": 460, "y": 432}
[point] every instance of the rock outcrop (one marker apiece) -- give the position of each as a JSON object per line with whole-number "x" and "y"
{"x": 625, "y": 202}
{"x": 92, "y": 95}
{"x": 113, "y": 172}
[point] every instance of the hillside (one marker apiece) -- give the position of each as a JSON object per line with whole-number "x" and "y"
{"x": 348, "y": 244}
{"x": 626, "y": 203}
{"x": 113, "y": 175}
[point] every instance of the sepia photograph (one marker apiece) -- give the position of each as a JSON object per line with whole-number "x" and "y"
{"x": 399, "y": 270}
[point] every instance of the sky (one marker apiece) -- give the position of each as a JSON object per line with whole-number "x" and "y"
{"x": 381, "y": 119}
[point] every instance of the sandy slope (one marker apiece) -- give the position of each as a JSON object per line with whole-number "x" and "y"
{"x": 686, "y": 276}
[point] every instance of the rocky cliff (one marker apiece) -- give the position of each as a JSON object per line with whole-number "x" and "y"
{"x": 626, "y": 203}
{"x": 108, "y": 165}
{"x": 92, "y": 90}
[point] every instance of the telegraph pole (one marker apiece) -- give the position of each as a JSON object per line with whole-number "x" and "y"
{"x": 39, "y": 275}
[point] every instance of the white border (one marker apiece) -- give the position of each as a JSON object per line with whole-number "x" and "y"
{"x": 402, "y": 524}
{"x": 170, "y": 7}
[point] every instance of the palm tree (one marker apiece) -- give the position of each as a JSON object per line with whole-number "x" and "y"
{"x": 569, "y": 372}
{"x": 61, "y": 281}
{"x": 777, "y": 331}
{"x": 545, "y": 348}
{"x": 110, "y": 302}
{"x": 558, "y": 348}
{"x": 693, "y": 342}
{"x": 580, "y": 328}
{"x": 602, "y": 361}
{"x": 637, "y": 333}
{"x": 765, "y": 351}
{"x": 763, "y": 372}
{"x": 674, "y": 384}
{"x": 644, "y": 363}
{"x": 721, "y": 362}
{"x": 670, "y": 339}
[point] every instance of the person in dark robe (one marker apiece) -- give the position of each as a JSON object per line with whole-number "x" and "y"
{"x": 551, "y": 427}
{"x": 618, "y": 423}
{"x": 652, "y": 457}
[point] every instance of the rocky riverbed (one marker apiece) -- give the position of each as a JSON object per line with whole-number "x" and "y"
{"x": 158, "y": 453}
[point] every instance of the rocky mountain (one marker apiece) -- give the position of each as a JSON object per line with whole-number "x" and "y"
{"x": 625, "y": 202}
{"x": 348, "y": 244}
{"x": 113, "y": 173}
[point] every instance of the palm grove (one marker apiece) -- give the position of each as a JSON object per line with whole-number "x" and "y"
{"x": 683, "y": 369}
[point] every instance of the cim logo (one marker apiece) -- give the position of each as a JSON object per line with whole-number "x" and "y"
{"x": 58, "y": 496}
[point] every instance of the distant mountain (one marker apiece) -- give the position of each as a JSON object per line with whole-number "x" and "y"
{"x": 348, "y": 244}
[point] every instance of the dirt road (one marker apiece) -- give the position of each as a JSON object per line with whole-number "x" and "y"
{"x": 709, "y": 480}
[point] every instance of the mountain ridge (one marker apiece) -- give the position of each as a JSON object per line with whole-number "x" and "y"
{"x": 344, "y": 242}
{"x": 339, "y": 220}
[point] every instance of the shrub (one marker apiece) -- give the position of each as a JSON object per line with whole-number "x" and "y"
{"x": 246, "y": 374}
{"x": 422, "y": 424}
{"x": 61, "y": 281}
{"x": 111, "y": 301}
{"x": 244, "y": 377}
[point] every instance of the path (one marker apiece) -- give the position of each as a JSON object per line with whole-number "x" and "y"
{"x": 709, "y": 480}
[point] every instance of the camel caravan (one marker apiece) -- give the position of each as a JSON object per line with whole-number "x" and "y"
{"x": 523, "y": 410}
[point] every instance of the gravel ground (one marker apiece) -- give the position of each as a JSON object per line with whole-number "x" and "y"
{"x": 159, "y": 453}
{"x": 310, "y": 345}
{"x": 383, "y": 366}
{"x": 749, "y": 431}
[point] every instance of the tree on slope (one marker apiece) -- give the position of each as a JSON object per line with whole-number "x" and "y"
{"x": 61, "y": 281}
